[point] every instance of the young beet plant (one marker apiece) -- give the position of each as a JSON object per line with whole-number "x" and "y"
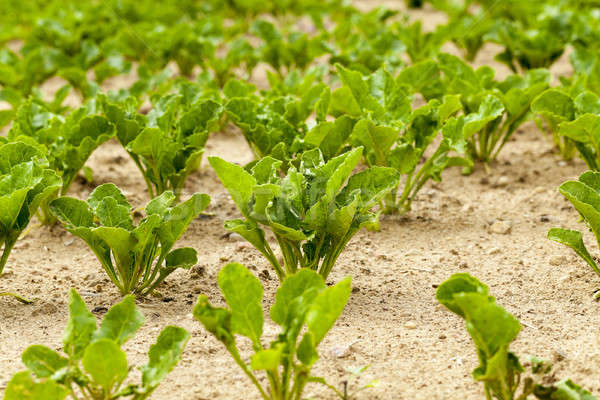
{"x": 95, "y": 367}
{"x": 305, "y": 309}
{"x": 136, "y": 258}
{"x": 495, "y": 108}
{"x": 312, "y": 211}
{"x": 69, "y": 140}
{"x": 584, "y": 130}
{"x": 25, "y": 182}
{"x": 166, "y": 144}
{"x": 569, "y": 118}
{"x": 585, "y": 197}
{"x": 395, "y": 136}
{"x": 492, "y": 329}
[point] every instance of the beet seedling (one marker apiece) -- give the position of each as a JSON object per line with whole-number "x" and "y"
{"x": 585, "y": 197}
{"x": 69, "y": 141}
{"x": 25, "y": 182}
{"x": 313, "y": 211}
{"x": 493, "y": 329}
{"x": 305, "y": 309}
{"x": 136, "y": 258}
{"x": 95, "y": 367}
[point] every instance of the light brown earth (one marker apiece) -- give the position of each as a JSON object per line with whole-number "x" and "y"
{"x": 415, "y": 348}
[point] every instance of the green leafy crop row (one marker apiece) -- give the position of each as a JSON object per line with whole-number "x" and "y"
{"x": 359, "y": 112}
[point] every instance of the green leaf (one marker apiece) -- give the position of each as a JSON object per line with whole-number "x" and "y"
{"x": 307, "y": 350}
{"x": 22, "y": 387}
{"x": 164, "y": 355}
{"x": 121, "y": 322}
{"x": 490, "y": 325}
{"x": 567, "y": 390}
{"x": 236, "y": 180}
{"x": 72, "y": 212}
{"x": 585, "y": 200}
{"x": 459, "y": 283}
{"x": 215, "y": 320}
{"x": 42, "y": 361}
{"x": 107, "y": 190}
{"x": 292, "y": 288}
{"x": 490, "y": 109}
{"x": 119, "y": 240}
{"x": 106, "y": 363}
{"x": 554, "y": 105}
{"x": 180, "y": 217}
{"x": 267, "y": 360}
{"x": 377, "y": 140}
{"x": 372, "y": 184}
{"x": 243, "y": 294}
{"x": 112, "y": 214}
{"x": 574, "y": 240}
{"x": 79, "y": 330}
{"x": 330, "y": 137}
{"x": 359, "y": 89}
{"x": 161, "y": 204}
{"x": 327, "y": 308}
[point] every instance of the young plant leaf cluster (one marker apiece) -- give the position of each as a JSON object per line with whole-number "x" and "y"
{"x": 396, "y": 136}
{"x": 493, "y": 109}
{"x": 166, "y": 144}
{"x": 584, "y": 195}
{"x": 136, "y": 258}
{"x": 305, "y": 309}
{"x": 26, "y": 181}
{"x": 493, "y": 329}
{"x": 313, "y": 211}
{"x": 68, "y": 141}
{"x": 94, "y": 366}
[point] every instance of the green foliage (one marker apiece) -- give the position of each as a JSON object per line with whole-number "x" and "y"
{"x": 493, "y": 109}
{"x": 275, "y": 124}
{"x": 305, "y": 309}
{"x": 538, "y": 47}
{"x": 166, "y": 144}
{"x": 558, "y": 109}
{"x": 492, "y": 329}
{"x": 136, "y": 258}
{"x": 94, "y": 366}
{"x": 395, "y": 136}
{"x": 25, "y": 183}
{"x": 69, "y": 141}
{"x": 297, "y": 50}
{"x": 367, "y": 41}
{"x": 313, "y": 211}
{"x": 585, "y": 197}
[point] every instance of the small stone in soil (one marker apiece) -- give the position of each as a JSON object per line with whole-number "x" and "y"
{"x": 410, "y": 325}
{"x": 500, "y": 227}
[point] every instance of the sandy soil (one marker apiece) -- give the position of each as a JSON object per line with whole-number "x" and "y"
{"x": 415, "y": 348}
